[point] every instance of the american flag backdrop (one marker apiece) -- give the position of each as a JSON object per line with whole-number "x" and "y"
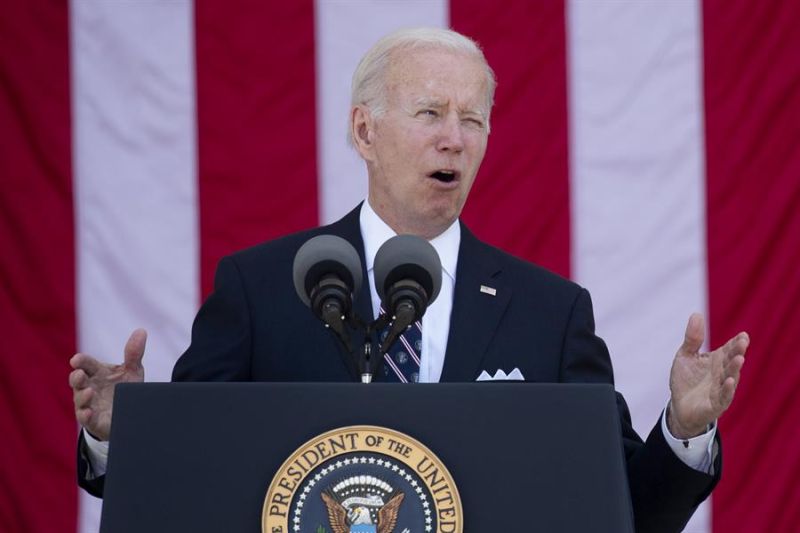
{"x": 648, "y": 149}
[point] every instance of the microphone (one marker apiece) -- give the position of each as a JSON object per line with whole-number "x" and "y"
{"x": 326, "y": 274}
{"x": 408, "y": 277}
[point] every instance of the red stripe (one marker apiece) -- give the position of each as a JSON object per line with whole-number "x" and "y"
{"x": 752, "y": 102}
{"x": 37, "y": 293}
{"x": 256, "y": 124}
{"x": 520, "y": 201}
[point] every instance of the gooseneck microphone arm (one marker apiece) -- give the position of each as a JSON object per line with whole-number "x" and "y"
{"x": 329, "y": 300}
{"x": 406, "y": 308}
{"x": 408, "y": 277}
{"x": 326, "y": 274}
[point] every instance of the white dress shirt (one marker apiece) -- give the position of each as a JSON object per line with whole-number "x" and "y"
{"x": 436, "y": 321}
{"x": 697, "y": 452}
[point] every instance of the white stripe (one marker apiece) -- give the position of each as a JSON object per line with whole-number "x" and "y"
{"x": 411, "y": 350}
{"x": 400, "y": 376}
{"x": 135, "y": 182}
{"x": 638, "y": 214}
{"x": 344, "y": 32}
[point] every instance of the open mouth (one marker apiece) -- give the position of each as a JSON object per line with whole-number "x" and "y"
{"x": 445, "y": 176}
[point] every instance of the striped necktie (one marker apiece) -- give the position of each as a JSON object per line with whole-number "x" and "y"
{"x": 401, "y": 362}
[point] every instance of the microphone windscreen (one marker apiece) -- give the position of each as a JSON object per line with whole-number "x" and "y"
{"x": 325, "y": 255}
{"x": 408, "y": 257}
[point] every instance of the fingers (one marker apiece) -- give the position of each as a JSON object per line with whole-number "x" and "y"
{"x": 731, "y": 374}
{"x": 732, "y": 354}
{"x": 84, "y": 410}
{"x": 134, "y": 351}
{"x": 87, "y": 363}
{"x": 83, "y": 406}
{"x": 737, "y": 345}
{"x": 78, "y": 379}
{"x": 89, "y": 406}
{"x": 727, "y": 392}
{"x": 134, "y": 348}
{"x": 733, "y": 369}
{"x": 694, "y": 336}
{"x": 82, "y": 398}
{"x": 82, "y": 394}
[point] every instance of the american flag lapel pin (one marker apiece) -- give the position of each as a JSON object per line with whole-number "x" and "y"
{"x": 491, "y": 291}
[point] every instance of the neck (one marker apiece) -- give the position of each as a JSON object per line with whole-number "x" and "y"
{"x": 406, "y": 227}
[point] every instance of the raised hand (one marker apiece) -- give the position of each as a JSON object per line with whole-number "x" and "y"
{"x": 93, "y": 384}
{"x": 703, "y": 384}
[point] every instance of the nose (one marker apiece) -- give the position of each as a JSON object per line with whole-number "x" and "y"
{"x": 451, "y": 138}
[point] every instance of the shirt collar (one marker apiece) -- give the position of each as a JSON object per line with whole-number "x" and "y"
{"x": 375, "y": 232}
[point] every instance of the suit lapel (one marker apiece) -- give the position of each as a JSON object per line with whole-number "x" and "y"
{"x": 476, "y": 313}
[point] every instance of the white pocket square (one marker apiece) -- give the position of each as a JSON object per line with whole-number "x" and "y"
{"x": 500, "y": 375}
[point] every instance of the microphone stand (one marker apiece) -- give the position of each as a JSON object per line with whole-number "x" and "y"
{"x": 370, "y": 354}
{"x": 373, "y": 350}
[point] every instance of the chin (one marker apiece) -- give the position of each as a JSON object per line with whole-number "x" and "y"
{"x": 437, "y": 221}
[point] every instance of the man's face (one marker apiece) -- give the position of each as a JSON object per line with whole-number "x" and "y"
{"x": 424, "y": 152}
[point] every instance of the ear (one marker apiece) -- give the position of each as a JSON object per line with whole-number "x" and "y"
{"x": 362, "y": 129}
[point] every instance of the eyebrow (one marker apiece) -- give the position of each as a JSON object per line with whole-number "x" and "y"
{"x": 428, "y": 102}
{"x": 438, "y": 103}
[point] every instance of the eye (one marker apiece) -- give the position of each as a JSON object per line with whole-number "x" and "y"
{"x": 428, "y": 113}
{"x": 474, "y": 122}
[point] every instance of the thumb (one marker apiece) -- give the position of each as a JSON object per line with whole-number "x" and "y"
{"x": 695, "y": 335}
{"x": 134, "y": 348}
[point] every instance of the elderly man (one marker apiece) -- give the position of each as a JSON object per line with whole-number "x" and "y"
{"x": 420, "y": 115}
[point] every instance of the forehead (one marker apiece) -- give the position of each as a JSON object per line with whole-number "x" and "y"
{"x": 424, "y": 74}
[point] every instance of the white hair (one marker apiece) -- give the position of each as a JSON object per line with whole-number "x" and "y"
{"x": 369, "y": 79}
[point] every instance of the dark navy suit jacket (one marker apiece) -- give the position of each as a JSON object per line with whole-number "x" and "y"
{"x": 253, "y": 327}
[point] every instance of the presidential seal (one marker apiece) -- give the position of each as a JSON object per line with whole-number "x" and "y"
{"x": 362, "y": 479}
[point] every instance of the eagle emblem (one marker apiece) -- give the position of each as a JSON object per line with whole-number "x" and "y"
{"x": 362, "y": 479}
{"x": 362, "y": 504}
